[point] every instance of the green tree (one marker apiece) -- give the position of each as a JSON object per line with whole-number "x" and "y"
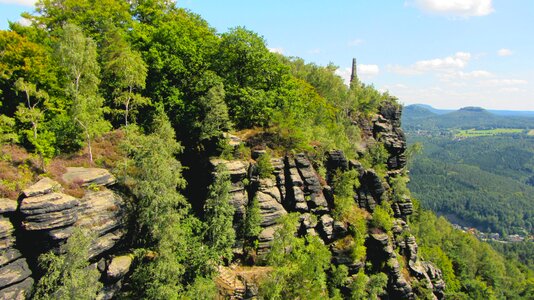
{"x": 7, "y": 134}
{"x": 252, "y": 226}
{"x": 77, "y": 55}
{"x": 68, "y": 275}
{"x": 219, "y": 214}
{"x": 299, "y": 264}
{"x": 31, "y": 112}
{"x": 214, "y": 113}
{"x": 265, "y": 167}
{"x": 251, "y": 76}
{"x": 126, "y": 71}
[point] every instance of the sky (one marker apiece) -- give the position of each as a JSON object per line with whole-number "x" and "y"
{"x": 446, "y": 53}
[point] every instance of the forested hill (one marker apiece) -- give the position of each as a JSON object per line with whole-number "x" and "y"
{"x": 146, "y": 156}
{"x": 425, "y": 118}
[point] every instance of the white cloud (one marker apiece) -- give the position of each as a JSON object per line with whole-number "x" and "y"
{"x": 355, "y": 42}
{"x": 345, "y": 74}
{"x": 511, "y": 90}
{"x": 277, "y": 50}
{"x": 19, "y": 2}
{"x": 507, "y": 82}
{"x": 504, "y": 52}
{"x": 370, "y": 70}
{"x": 448, "y": 76}
{"x": 462, "y": 8}
{"x": 445, "y": 64}
{"x": 459, "y": 60}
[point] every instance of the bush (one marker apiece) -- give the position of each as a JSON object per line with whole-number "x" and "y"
{"x": 382, "y": 218}
{"x": 68, "y": 275}
{"x": 265, "y": 168}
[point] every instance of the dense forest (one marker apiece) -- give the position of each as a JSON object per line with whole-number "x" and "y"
{"x": 482, "y": 181}
{"x": 150, "y": 92}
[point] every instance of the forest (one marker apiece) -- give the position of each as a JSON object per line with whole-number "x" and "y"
{"x": 150, "y": 91}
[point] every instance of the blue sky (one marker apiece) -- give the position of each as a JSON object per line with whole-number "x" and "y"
{"x": 447, "y": 53}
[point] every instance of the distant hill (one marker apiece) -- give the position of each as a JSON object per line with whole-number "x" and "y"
{"x": 424, "y": 117}
{"x": 498, "y": 112}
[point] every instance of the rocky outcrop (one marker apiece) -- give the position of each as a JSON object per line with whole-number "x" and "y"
{"x": 88, "y": 176}
{"x": 49, "y": 216}
{"x": 45, "y": 217}
{"x": 15, "y": 280}
{"x": 387, "y": 130}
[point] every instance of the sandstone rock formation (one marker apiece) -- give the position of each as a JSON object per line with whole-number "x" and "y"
{"x": 15, "y": 280}
{"x": 295, "y": 186}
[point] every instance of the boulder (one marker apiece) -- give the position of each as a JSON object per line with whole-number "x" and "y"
{"x": 326, "y": 226}
{"x": 119, "y": 266}
{"x": 18, "y": 291}
{"x": 50, "y": 220}
{"x": 101, "y": 211}
{"x": 7, "y": 205}
{"x": 47, "y": 203}
{"x": 41, "y": 187}
{"x": 14, "y": 272}
{"x": 9, "y": 255}
{"x": 88, "y": 176}
{"x": 270, "y": 209}
{"x": 236, "y": 168}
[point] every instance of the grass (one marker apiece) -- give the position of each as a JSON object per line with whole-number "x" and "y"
{"x": 19, "y": 168}
{"x": 488, "y": 132}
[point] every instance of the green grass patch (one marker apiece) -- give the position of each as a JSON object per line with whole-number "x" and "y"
{"x": 489, "y": 132}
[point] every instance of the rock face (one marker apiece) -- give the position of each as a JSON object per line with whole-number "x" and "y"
{"x": 45, "y": 217}
{"x": 49, "y": 216}
{"x": 295, "y": 186}
{"x": 15, "y": 280}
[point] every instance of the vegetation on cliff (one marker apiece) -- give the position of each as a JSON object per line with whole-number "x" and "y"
{"x": 170, "y": 88}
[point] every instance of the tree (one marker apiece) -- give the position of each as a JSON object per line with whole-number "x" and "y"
{"x": 31, "y": 112}
{"x": 68, "y": 275}
{"x": 299, "y": 264}
{"x": 251, "y": 76}
{"x": 77, "y": 55}
{"x": 214, "y": 113}
{"x": 219, "y": 214}
{"x": 126, "y": 71}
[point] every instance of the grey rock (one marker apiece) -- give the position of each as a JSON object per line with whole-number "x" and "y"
{"x": 9, "y": 255}
{"x": 270, "y": 209}
{"x": 41, "y": 187}
{"x": 50, "y": 220}
{"x": 6, "y": 243}
{"x": 105, "y": 242}
{"x": 44, "y": 204}
{"x": 101, "y": 211}
{"x": 256, "y": 153}
{"x": 88, "y": 176}
{"x": 18, "y": 291}
{"x": 119, "y": 266}
{"x": 327, "y": 226}
{"x": 6, "y": 228}
{"x": 14, "y": 272}
{"x": 308, "y": 220}
{"x": 236, "y": 168}
{"x": 7, "y": 205}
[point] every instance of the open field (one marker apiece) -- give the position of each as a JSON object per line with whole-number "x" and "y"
{"x": 531, "y": 132}
{"x": 489, "y": 132}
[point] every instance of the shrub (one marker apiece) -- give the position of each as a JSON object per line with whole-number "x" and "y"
{"x": 265, "y": 168}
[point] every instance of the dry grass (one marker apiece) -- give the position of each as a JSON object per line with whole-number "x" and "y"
{"x": 19, "y": 169}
